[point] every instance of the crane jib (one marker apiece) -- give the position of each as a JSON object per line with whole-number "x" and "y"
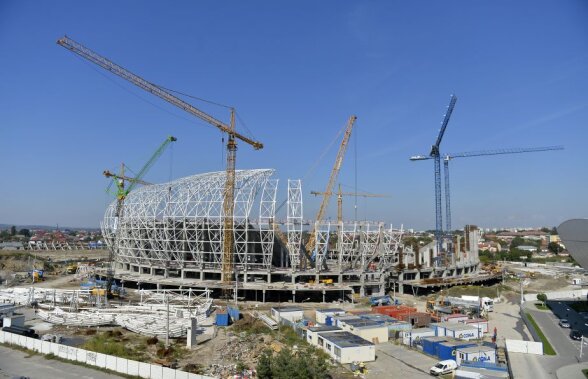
{"x": 97, "y": 59}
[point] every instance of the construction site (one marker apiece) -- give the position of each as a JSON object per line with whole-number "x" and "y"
{"x": 206, "y": 261}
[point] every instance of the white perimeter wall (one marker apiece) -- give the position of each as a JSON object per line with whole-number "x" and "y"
{"x": 121, "y": 365}
{"x": 527, "y": 347}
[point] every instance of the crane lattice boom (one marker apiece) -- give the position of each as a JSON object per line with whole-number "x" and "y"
{"x": 332, "y": 178}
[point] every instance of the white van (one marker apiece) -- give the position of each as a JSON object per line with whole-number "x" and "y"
{"x": 443, "y": 367}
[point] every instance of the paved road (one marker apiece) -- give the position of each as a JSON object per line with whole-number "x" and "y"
{"x": 568, "y": 350}
{"x": 17, "y": 363}
{"x": 393, "y": 361}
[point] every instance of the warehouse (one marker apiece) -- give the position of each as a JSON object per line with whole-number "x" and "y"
{"x": 345, "y": 347}
{"x": 313, "y": 332}
{"x": 476, "y": 354}
{"x": 323, "y": 316}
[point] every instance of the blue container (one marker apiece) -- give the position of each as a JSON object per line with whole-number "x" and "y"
{"x": 446, "y": 350}
{"x": 234, "y": 314}
{"x": 430, "y": 344}
{"x": 329, "y": 321}
{"x": 222, "y": 319}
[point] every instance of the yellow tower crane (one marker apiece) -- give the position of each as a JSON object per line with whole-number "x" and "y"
{"x": 329, "y": 190}
{"x": 233, "y": 135}
{"x": 340, "y": 199}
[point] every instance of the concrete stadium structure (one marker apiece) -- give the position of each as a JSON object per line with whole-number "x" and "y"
{"x": 170, "y": 235}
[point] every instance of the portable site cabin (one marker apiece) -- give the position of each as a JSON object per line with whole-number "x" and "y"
{"x": 345, "y": 347}
{"x": 448, "y": 349}
{"x": 459, "y": 331}
{"x": 293, "y": 314}
{"x": 480, "y": 323}
{"x": 476, "y": 354}
{"x": 417, "y": 319}
{"x": 313, "y": 332}
{"x": 463, "y": 332}
{"x": 430, "y": 344}
{"x": 341, "y": 321}
{"x": 321, "y": 315}
{"x": 413, "y": 337}
{"x": 455, "y": 318}
{"x": 368, "y": 330}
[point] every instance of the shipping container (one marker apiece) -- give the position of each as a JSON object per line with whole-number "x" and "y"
{"x": 222, "y": 319}
{"x": 393, "y": 310}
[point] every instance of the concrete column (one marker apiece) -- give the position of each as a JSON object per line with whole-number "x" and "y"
{"x": 293, "y": 296}
{"x": 192, "y": 333}
{"x": 324, "y": 293}
{"x": 263, "y": 295}
{"x": 152, "y": 271}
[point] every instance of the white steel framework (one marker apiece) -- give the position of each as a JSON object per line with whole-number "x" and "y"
{"x": 180, "y": 224}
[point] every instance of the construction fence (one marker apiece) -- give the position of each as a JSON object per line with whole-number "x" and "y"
{"x": 110, "y": 362}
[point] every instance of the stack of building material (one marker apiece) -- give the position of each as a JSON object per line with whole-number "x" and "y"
{"x": 83, "y": 319}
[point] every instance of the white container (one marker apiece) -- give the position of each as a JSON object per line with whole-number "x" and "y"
{"x": 476, "y": 354}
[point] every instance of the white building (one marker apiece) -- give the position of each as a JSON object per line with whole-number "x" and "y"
{"x": 313, "y": 332}
{"x": 345, "y": 347}
{"x": 476, "y": 354}
{"x": 293, "y": 314}
{"x": 322, "y": 314}
{"x": 411, "y": 337}
{"x": 368, "y": 330}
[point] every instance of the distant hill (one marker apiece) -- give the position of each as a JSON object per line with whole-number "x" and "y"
{"x": 46, "y": 227}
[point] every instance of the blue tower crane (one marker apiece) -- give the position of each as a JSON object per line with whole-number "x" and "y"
{"x": 436, "y": 155}
{"x": 448, "y": 157}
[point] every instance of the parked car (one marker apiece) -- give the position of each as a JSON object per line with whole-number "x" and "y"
{"x": 564, "y": 323}
{"x": 443, "y": 367}
{"x": 576, "y": 335}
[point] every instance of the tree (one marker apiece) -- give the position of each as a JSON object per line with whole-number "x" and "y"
{"x": 542, "y": 298}
{"x": 554, "y": 247}
{"x": 24, "y": 232}
{"x": 264, "y": 369}
{"x": 517, "y": 241}
{"x": 13, "y": 230}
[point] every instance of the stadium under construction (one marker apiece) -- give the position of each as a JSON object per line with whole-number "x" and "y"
{"x": 171, "y": 235}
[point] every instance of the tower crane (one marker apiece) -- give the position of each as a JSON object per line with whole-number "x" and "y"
{"x": 340, "y": 199}
{"x": 233, "y": 136}
{"x": 448, "y": 157}
{"x": 436, "y": 156}
{"x": 329, "y": 190}
{"x": 120, "y": 180}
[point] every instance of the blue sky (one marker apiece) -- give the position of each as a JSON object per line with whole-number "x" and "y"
{"x": 296, "y": 71}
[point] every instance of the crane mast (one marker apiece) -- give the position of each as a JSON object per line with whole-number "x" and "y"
{"x": 332, "y": 178}
{"x": 233, "y": 135}
{"x": 120, "y": 198}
